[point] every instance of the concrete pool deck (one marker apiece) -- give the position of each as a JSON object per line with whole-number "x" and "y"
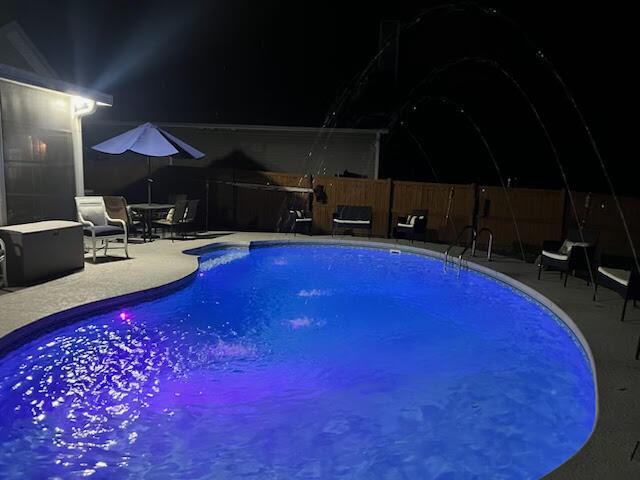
{"x": 609, "y": 453}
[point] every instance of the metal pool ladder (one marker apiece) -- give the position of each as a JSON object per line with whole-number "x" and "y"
{"x": 474, "y": 238}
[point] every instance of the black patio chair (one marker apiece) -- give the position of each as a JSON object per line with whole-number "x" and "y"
{"x": 174, "y": 219}
{"x": 625, "y": 283}
{"x": 300, "y": 221}
{"x": 190, "y": 216}
{"x": 412, "y": 226}
{"x": 575, "y": 254}
{"x": 352, "y": 217}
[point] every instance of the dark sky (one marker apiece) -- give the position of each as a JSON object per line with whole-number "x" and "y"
{"x": 286, "y": 62}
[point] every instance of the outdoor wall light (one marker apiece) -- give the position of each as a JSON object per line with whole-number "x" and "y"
{"x": 83, "y": 106}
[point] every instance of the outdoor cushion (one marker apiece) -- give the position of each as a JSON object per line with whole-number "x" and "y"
{"x": 555, "y": 256}
{"x": 616, "y": 274}
{"x": 104, "y": 230}
{"x": 303, "y": 219}
{"x": 358, "y": 222}
{"x": 166, "y": 222}
{"x": 405, "y": 225}
{"x": 567, "y": 245}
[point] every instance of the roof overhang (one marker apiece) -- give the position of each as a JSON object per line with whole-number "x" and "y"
{"x": 31, "y": 79}
{"x": 236, "y": 128}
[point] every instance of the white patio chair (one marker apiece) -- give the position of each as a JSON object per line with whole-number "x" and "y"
{"x": 98, "y": 226}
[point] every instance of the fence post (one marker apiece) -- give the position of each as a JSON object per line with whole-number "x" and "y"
{"x": 566, "y": 209}
{"x": 475, "y": 207}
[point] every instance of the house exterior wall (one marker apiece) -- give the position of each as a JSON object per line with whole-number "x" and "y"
{"x": 274, "y": 149}
{"x": 37, "y": 161}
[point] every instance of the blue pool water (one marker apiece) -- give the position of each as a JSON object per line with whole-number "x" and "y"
{"x": 302, "y": 362}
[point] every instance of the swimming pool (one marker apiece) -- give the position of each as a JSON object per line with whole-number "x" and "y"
{"x": 303, "y": 362}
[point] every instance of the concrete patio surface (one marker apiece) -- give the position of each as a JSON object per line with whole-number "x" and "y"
{"x": 609, "y": 454}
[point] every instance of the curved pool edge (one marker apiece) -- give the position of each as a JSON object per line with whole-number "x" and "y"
{"x": 43, "y": 324}
{"x": 38, "y": 326}
{"x": 494, "y": 274}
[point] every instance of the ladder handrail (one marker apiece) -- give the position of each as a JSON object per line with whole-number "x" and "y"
{"x": 455, "y": 243}
{"x": 490, "y": 245}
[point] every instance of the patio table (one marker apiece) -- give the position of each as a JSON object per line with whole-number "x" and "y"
{"x": 147, "y": 210}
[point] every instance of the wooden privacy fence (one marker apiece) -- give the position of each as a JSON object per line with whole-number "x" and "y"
{"x": 252, "y": 200}
{"x": 445, "y": 217}
{"x": 602, "y": 215}
{"x": 264, "y": 210}
{"x": 353, "y": 191}
{"x": 539, "y": 216}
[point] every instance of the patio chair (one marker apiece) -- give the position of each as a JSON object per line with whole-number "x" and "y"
{"x": 173, "y": 198}
{"x": 3, "y": 264}
{"x": 625, "y": 283}
{"x": 99, "y": 226}
{"x": 300, "y": 221}
{"x": 574, "y": 254}
{"x": 352, "y": 217}
{"x": 117, "y": 208}
{"x": 411, "y": 226}
{"x": 174, "y": 219}
{"x": 190, "y": 215}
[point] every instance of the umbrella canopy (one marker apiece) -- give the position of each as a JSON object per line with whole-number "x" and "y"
{"x": 151, "y": 141}
{"x": 147, "y": 139}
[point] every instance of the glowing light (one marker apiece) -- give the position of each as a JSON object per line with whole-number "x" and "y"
{"x": 83, "y": 106}
{"x": 123, "y": 316}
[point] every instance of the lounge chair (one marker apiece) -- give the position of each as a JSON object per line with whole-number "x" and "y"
{"x": 99, "y": 226}
{"x": 352, "y": 217}
{"x": 411, "y": 226}
{"x": 117, "y": 208}
{"x": 576, "y": 253}
{"x": 300, "y": 221}
{"x": 3, "y": 264}
{"x": 626, "y": 283}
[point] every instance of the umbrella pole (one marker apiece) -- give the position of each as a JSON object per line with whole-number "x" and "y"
{"x": 149, "y": 180}
{"x": 206, "y": 205}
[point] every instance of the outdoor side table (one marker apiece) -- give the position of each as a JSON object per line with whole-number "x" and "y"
{"x": 42, "y": 250}
{"x": 147, "y": 210}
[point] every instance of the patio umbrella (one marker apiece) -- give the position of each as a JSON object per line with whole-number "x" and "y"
{"x": 151, "y": 141}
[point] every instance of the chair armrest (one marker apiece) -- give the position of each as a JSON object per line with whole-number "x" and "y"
{"x": 551, "y": 245}
{"x": 335, "y": 215}
{"x": 402, "y": 219}
{"x": 122, "y": 223}
{"x": 86, "y": 223}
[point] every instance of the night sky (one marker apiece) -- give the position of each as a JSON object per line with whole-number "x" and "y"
{"x": 287, "y": 63}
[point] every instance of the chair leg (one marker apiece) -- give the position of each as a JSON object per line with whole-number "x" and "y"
{"x": 539, "y": 269}
{"x": 595, "y": 290}
{"x": 126, "y": 246}
{"x": 93, "y": 245}
{"x": 624, "y": 309}
{"x": 566, "y": 277}
{"x": 106, "y": 246}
